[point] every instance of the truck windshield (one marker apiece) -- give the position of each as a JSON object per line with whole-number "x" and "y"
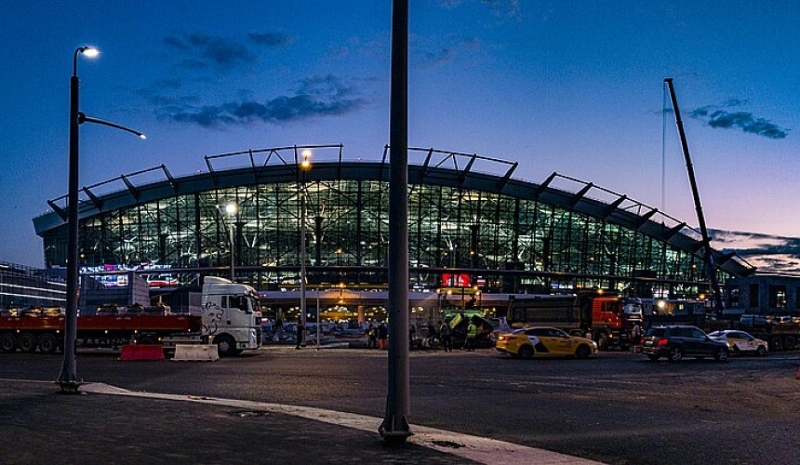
{"x": 255, "y": 304}
{"x": 632, "y": 309}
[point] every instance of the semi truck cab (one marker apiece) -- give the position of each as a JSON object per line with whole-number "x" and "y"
{"x": 231, "y": 315}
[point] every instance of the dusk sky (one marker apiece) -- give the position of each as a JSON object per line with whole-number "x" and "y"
{"x": 569, "y": 86}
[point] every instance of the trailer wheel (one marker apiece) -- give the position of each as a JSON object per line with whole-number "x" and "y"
{"x": 776, "y": 343}
{"x": 8, "y": 343}
{"x": 48, "y": 344}
{"x": 790, "y": 342}
{"x": 27, "y": 342}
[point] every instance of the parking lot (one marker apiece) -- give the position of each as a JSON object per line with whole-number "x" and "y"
{"x": 617, "y": 407}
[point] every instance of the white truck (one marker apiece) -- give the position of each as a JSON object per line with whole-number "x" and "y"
{"x": 231, "y": 316}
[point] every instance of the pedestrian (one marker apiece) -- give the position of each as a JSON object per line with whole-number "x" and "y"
{"x": 431, "y": 334}
{"x": 472, "y": 334}
{"x": 277, "y": 333}
{"x": 445, "y": 336}
{"x": 383, "y": 336}
{"x": 372, "y": 337}
{"x": 301, "y": 332}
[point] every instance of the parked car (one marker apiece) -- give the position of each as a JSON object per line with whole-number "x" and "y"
{"x": 675, "y": 342}
{"x": 740, "y": 341}
{"x": 544, "y": 342}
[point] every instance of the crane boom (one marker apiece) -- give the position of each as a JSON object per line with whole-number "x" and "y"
{"x": 708, "y": 258}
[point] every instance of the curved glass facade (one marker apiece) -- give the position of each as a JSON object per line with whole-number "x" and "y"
{"x": 504, "y": 243}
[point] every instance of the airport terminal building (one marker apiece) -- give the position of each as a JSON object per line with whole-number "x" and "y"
{"x": 474, "y": 229}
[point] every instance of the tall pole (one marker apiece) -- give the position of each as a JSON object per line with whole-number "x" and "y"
{"x": 708, "y": 257}
{"x": 317, "y": 316}
{"x": 302, "y": 263}
{"x": 228, "y": 219}
{"x": 233, "y": 255}
{"x": 68, "y": 379}
{"x": 395, "y": 428}
{"x": 304, "y": 166}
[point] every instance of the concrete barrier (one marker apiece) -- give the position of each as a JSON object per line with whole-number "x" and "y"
{"x": 142, "y": 352}
{"x": 196, "y": 353}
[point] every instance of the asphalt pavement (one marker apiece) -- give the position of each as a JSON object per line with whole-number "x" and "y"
{"x": 103, "y": 424}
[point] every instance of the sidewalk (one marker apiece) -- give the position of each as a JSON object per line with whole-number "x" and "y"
{"x": 103, "y": 425}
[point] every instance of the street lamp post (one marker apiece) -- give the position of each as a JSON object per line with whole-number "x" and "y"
{"x": 305, "y": 165}
{"x": 303, "y": 272}
{"x": 395, "y": 428}
{"x": 68, "y": 378}
{"x": 318, "y": 322}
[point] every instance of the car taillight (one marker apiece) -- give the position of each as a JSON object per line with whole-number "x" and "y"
{"x": 662, "y": 342}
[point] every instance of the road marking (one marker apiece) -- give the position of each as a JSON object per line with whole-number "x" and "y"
{"x": 475, "y": 448}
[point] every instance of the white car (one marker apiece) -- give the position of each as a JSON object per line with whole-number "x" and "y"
{"x": 740, "y": 341}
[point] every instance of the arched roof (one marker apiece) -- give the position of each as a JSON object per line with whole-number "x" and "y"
{"x": 449, "y": 169}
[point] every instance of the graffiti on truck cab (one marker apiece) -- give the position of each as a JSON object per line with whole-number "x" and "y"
{"x": 214, "y": 316}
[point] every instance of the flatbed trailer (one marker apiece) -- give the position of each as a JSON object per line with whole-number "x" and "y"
{"x": 46, "y": 333}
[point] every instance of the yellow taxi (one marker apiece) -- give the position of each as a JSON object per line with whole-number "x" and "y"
{"x": 740, "y": 341}
{"x": 544, "y": 342}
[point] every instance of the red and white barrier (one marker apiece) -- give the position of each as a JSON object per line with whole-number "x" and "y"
{"x": 142, "y": 352}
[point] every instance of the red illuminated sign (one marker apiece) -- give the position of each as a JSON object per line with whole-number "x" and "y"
{"x": 455, "y": 280}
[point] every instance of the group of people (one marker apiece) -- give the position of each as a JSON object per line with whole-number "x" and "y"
{"x": 436, "y": 334}
{"x": 378, "y": 336}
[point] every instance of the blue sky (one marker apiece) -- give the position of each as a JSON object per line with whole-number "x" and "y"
{"x": 574, "y": 87}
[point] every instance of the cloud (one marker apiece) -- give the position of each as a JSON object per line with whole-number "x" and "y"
{"x": 203, "y": 49}
{"x": 315, "y": 96}
{"x": 273, "y": 39}
{"x": 162, "y": 93}
{"x": 442, "y": 53}
{"x": 717, "y": 117}
{"x": 507, "y": 8}
{"x": 770, "y": 254}
{"x": 500, "y": 8}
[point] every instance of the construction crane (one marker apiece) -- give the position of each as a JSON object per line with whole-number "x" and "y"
{"x": 708, "y": 258}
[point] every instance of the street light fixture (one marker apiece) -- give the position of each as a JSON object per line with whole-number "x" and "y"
{"x": 68, "y": 378}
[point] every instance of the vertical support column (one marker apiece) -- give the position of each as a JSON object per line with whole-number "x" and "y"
{"x": 395, "y": 429}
